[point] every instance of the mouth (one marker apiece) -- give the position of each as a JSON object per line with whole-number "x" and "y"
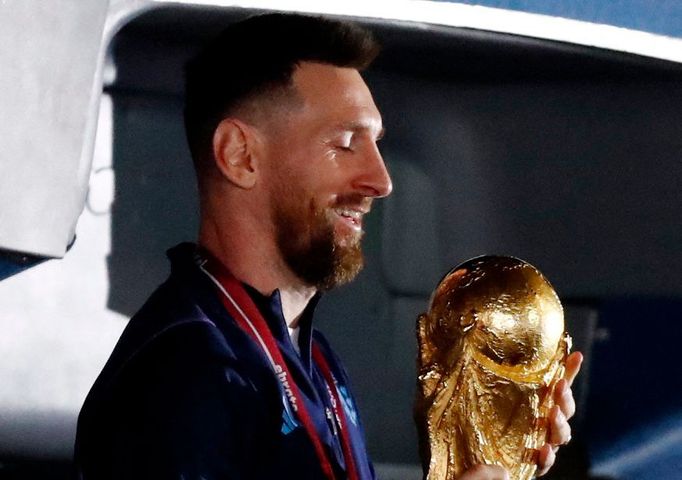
{"x": 350, "y": 217}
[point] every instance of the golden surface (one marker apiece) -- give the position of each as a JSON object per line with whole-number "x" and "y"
{"x": 490, "y": 345}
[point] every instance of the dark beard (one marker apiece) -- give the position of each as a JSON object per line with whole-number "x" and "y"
{"x": 309, "y": 248}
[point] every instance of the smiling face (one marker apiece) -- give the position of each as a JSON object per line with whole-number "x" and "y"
{"x": 325, "y": 169}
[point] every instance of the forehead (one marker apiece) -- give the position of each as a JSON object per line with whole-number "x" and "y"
{"x": 336, "y": 94}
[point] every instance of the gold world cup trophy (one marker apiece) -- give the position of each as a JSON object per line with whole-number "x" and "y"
{"x": 490, "y": 347}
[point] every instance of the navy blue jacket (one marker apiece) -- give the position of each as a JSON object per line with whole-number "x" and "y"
{"x": 186, "y": 394}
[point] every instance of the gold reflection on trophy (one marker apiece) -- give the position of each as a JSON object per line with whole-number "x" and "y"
{"x": 490, "y": 346}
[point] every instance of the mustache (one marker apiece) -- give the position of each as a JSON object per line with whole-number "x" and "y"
{"x": 353, "y": 200}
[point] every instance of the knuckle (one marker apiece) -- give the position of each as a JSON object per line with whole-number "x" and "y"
{"x": 559, "y": 419}
{"x": 568, "y": 392}
{"x": 560, "y": 433}
{"x": 565, "y": 429}
{"x": 563, "y": 436}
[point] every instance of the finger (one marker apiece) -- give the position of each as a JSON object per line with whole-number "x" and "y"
{"x": 546, "y": 459}
{"x": 485, "y": 472}
{"x": 563, "y": 397}
{"x": 559, "y": 429}
{"x": 573, "y": 362}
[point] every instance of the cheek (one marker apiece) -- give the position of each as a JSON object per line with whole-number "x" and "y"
{"x": 308, "y": 176}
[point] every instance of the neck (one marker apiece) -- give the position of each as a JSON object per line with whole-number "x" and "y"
{"x": 293, "y": 304}
{"x": 256, "y": 262}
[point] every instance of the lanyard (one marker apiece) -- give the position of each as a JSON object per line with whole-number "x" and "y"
{"x": 241, "y": 307}
{"x": 340, "y": 414}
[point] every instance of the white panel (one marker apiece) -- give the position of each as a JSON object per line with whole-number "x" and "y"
{"x": 49, "y": 87}
{"x": 57, "y": 331}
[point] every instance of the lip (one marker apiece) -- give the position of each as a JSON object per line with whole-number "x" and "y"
{"x": 352, "y": 217}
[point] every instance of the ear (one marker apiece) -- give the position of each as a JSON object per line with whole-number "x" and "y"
{"x": 233, "y": 151}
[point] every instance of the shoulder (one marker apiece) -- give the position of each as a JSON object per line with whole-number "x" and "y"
{"x": 183, "y": 402}
{"x": 178, "y": 342}
{"x": 177, "y": 380}
{"x": 170, "y": 325}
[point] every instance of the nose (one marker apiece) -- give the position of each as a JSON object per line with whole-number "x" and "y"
{"x": 374, "y": 180}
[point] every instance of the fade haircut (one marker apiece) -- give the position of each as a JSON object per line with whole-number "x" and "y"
{"x": 255, "y": 59}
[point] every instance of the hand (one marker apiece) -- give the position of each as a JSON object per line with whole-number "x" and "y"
{"x": 485, "y": 472}
{"x": 559, "y": 432}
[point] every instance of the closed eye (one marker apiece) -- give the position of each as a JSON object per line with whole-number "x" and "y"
{"x": 344, "y": 141}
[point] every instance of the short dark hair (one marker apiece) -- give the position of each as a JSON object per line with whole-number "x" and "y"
{"x": 258, "y": 56}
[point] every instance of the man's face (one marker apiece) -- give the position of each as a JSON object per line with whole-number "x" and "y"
{"x": 326, "y": 169}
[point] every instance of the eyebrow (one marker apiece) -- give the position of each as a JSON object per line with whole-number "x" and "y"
{"x": 358, "y": 126}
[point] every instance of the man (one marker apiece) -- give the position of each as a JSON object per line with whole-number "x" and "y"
{"x": 220, "y": 374}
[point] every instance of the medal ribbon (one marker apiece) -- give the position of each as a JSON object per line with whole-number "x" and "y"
{"x": 339, "y": 412}
{"x": 243, "y": 310}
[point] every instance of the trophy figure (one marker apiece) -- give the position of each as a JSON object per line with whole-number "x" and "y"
{"x": 490, "y": 347}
